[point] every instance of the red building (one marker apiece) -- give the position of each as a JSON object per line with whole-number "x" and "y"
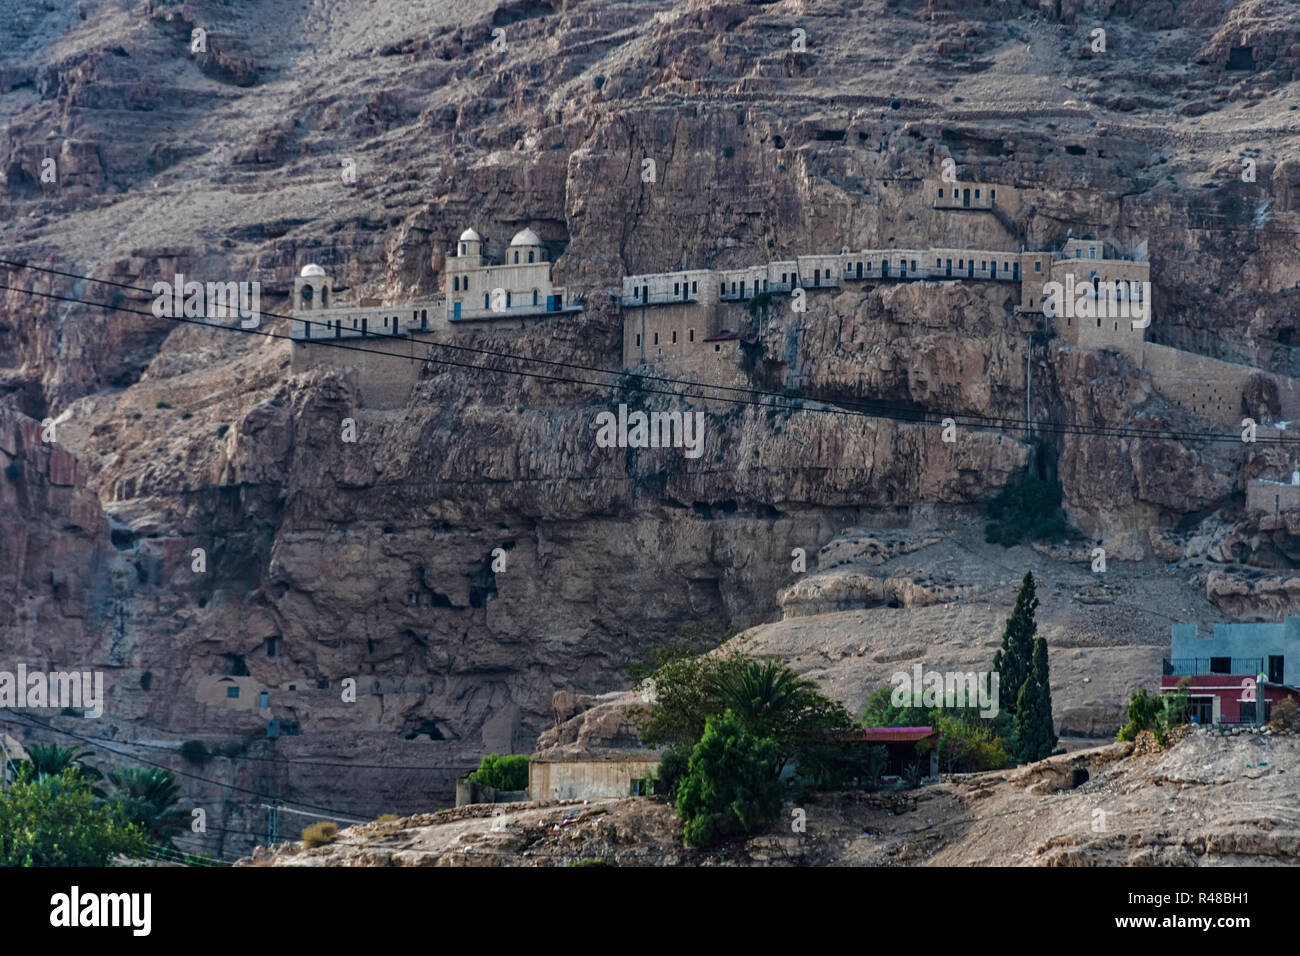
{"x": 1236, "y": 675}
{"x": 904, "y": 745}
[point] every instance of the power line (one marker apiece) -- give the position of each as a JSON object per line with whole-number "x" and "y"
{"x": 860, "y": 408}
{"x": 151, "y": 763}
{"x": 287, "y": 762}
{"x": 884, "y": 407}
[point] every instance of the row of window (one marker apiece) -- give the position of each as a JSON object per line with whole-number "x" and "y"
{"x": 993, "y": 193}
{"x": 487, "y": 299}
{"x": 679, "y": 288}
{"x": 392, "y": 325}
{"x": 864, "y": 267}
{"x": 690, "y": 337}
{"x": 531, "y": 253}
{"x": 417, "y": 315}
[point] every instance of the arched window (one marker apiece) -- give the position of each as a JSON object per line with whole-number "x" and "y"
{"x": 324, "y": 296}
{"x": 455, "y": 283}
{"x": 516, "y": 257}
{"x": 530, "y": 255}
{"x": 485, "y": 300}
{"x": 507, "y": 300}
{"x": 534, "y": 297}
{"x": 306, "y": 293}
{"x": 462, "y": 248}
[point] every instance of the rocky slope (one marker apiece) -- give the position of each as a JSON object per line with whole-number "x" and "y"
{"x": 371, "y": 561}
{"x": 1207, "y": 801}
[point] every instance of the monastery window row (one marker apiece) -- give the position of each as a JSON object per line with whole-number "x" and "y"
{"x": 993, "y": 193}
{"x": 690, "y": 337}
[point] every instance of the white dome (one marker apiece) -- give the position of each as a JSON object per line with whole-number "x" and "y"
{"x": 469, "y": 235}
{"x": 311, "y": 271}
{"x": 526, "y": 237}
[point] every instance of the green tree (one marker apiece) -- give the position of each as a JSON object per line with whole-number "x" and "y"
{"x": 729, "y": 786}
{"x": 1015, "y": 661}
{"x": 686, "y": 695}
{"x": 773, "y": 702}
{"x": 969, "y": 746}
{"x": 968, "y": 742}
{"x": 50, "y": 760}
{"x": 880, "y": 711}
{"x": 840, "y": 763}
{"x": 148, "y": 797}
{"x": 769, "y": 699}
{"x": 1141, "y": 715}
{"x": 672, "y": 768}
{"x": 502, "y": 771}
{"x": 1156, "y": 713}
{"x": 1028, "y": 507}
{"x": 53, "y": 820}
{"x": 1035, "y": 738}
{"x": 1175, "y": 711}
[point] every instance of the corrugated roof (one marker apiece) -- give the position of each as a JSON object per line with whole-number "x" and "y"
{"x": 894, "y": 734}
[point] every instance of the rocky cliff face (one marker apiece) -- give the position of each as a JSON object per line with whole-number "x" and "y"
{"x": 326, "y": 560}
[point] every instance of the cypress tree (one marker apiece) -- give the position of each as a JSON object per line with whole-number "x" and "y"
{"x": 1015, "y": 661}
{"x": 1034, "y": 737}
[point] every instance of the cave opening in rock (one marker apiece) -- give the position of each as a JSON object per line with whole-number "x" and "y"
{"x": 1241, "y": 58}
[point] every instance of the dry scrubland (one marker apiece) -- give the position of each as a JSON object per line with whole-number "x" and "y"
{"x": 1207, "y": 801}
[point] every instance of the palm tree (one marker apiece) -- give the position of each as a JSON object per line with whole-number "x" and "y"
{"x": 50, "y": 760}
{"x": 147, "y": 796}
{"x": 773, "y": 701}
{"x": 761, "y": 692}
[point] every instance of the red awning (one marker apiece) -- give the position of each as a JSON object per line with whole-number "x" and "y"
{"x": 881, "y": 735}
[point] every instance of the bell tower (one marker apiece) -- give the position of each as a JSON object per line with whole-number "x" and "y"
{"x": 312, "y": 290}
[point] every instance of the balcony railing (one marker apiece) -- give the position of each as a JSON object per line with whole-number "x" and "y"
{"x": 1199, "y": 666}
{"x": 513, "y": 311}
{"x": 661, "y": 298}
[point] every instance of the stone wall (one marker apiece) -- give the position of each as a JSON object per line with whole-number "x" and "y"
{"x": 651, "y": 333}
{"x": 386, "y": 368}
{"x": 1212, "y": 389}
{"x": 1271, "y": 496}
{"x": 585, "y": 779}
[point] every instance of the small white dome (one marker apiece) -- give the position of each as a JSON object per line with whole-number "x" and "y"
{"x": 469, "y": 235}
{"x": 526, "y": 237}
{"x": 311, "y": 271}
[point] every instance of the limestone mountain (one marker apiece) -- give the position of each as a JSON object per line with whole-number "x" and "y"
{"x": 240, "y": 141}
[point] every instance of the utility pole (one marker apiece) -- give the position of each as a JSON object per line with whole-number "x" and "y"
{"x": 7, "y": 766}
{"x": 272, "y": 823}
{"x": 1029, "y": 352}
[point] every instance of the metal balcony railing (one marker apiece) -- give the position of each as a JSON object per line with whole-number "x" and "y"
{"x": 516, "y": 311}
{"x": 1199, "y": 666}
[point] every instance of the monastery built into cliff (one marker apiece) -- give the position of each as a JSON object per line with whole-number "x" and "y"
{"x": 693, "y": 322}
